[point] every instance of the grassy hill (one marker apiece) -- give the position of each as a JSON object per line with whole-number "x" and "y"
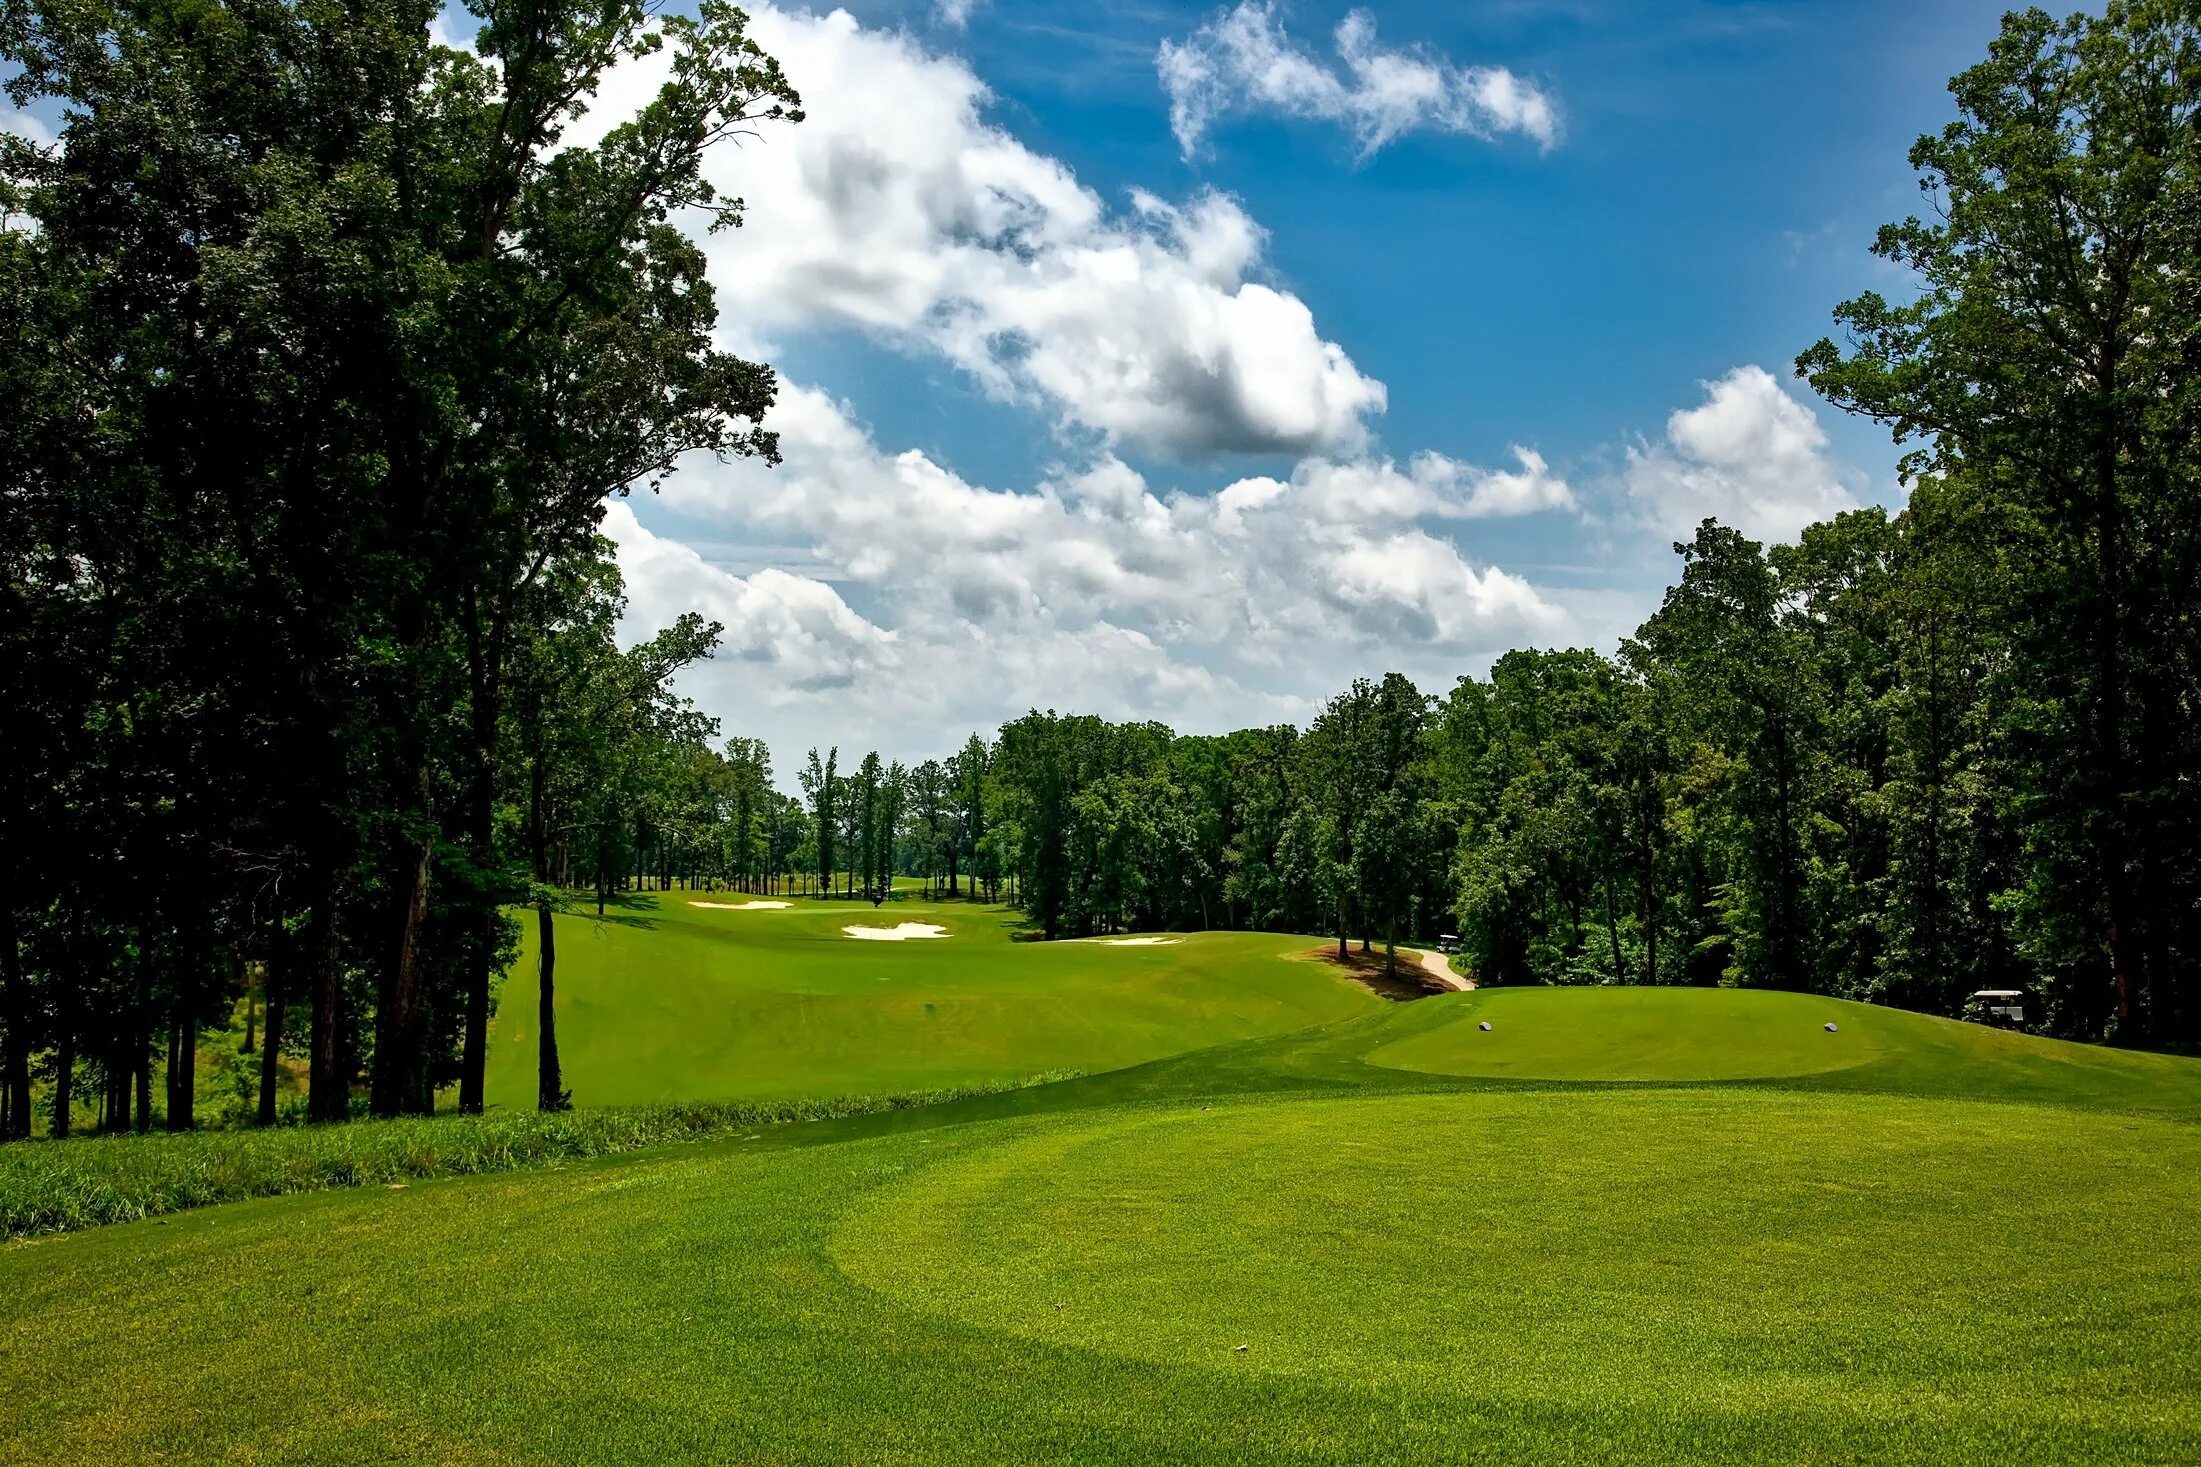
{"x": 671, "y": 999}
{"x": 1618, "y": 1225}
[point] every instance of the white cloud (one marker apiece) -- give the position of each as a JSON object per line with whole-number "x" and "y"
{"x": 955, "y": 14}
{"x": 795, "y": 624}
{"x": 899, "y": 210}
{"x": 25, "y": 126}
{"x": 1260, "y": 560}
{"x": 1092, "y": 590}
{"x": 1242, "y": 61}
{"x": 1750, "y": 456}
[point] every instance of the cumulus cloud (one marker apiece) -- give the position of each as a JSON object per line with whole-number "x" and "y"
{"x": 955, "y": 14}
{"x": 796, "y": 624}
{"x": 898, "y": 209}
{"x": 1243, "y": 61}
{"x": 1750, "y": 455}
{"x": 798, "y": 666}
{"x": 1341, "y": 563}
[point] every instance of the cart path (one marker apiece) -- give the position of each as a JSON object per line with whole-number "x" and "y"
{"x": 1433, "y": 963}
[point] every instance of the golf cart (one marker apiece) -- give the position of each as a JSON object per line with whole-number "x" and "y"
{"x": 2004, "y": 1008}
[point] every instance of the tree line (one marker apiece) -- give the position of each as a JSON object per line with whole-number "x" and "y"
{"x": 321, "y": 347}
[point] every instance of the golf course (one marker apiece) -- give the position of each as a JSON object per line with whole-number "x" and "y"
{"x": 936, "y": 732}
{"x": 1276, "y": 1217}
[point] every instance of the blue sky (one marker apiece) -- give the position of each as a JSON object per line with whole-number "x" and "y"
{"x": 1611, "y": 267}
{"x": 1721, "y": 172}
{"x": 1184, "y": 361}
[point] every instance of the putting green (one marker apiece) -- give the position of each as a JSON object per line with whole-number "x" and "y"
{"x": 1645, "y": 1034}
{"x": 1889, "y": 1267}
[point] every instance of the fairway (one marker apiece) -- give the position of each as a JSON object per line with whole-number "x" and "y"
{"x": 671, "y": 999}
{"x": 1622, "y": 1224}
{"x": 1705, "y": 1260}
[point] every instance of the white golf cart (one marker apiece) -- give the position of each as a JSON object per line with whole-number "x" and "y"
{"x": 2002, "y": 1007}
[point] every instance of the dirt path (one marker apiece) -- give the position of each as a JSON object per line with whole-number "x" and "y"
{"x": 1433, "y": 963}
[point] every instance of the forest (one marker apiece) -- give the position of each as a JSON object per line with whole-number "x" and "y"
{"x": 322, "y": 346}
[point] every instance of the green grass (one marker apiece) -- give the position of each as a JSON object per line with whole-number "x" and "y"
{"x": 60, "y": 1186}
{"x": 1666, "y": 1232}
{"x": 1665, "y": 1034}
{"x": 666, "y": 1000}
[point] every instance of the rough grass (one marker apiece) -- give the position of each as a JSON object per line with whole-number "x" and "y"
{"x": 60, "y": 1186}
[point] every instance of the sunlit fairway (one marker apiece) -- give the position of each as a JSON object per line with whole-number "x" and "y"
{"x": 669, "y": 1000}
{"x": 1312, "y": 1226}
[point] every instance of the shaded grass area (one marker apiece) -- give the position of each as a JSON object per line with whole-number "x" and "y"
{"x": 59, "y": 1186}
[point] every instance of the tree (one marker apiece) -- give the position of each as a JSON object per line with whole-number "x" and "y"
{"x": 821, "y": 785}
{"x": 2048, "y": 357}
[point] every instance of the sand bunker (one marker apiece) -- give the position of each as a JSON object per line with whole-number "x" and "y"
{"x": 742, "y": 906}
{"x": 1141, "y": 941}
{"x": 900, "y": 933}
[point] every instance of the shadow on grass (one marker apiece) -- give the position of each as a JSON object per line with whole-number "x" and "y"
{"x": 1372, "y": 971}
{"x": 621, "y": 908}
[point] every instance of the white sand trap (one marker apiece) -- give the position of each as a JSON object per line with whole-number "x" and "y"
{"x": 1142, "y": 941}
{"x": 902, "y": 932}
{"x": 742, "y": 906}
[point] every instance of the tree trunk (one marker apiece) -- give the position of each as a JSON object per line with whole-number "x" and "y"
{"x": 1612, "y": 928}
{"x": 399, "y": 1049}
{"x": 1786, "y": 967}
{"x": 271, "y": 1041}
{"x": 550, "y": 1091}
{"x": 2128, "y": 989}
{"x": 474, "y": 1055}
{"x": 114, "y": 1094}
{"x": 15, "y": 1050}
{"x": 183, "y": 1054}
{"x": 64, "y": 1085}
{"x": 328, "y": 1095}
{"x": 145, "y": 1087}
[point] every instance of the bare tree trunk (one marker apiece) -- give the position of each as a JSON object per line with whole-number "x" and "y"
{"x": 271, "y": 1042}
{"x": 550, "y": 1091}
{"x": 183, "y": 1054}
{"x": 15, "y": 1053}
{"x": 328, "y": 1096}
{"x": 398, "y": 1050}
{"x": 145, "y": 1087}
{"x": 64, "y": 1085}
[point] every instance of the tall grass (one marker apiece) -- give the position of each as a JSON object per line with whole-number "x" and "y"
{"x": 60, "y": 1186}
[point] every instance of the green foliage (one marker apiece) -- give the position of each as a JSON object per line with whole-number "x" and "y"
{"x": 324, "y": 351}
{"x": 2045, "y": 361}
